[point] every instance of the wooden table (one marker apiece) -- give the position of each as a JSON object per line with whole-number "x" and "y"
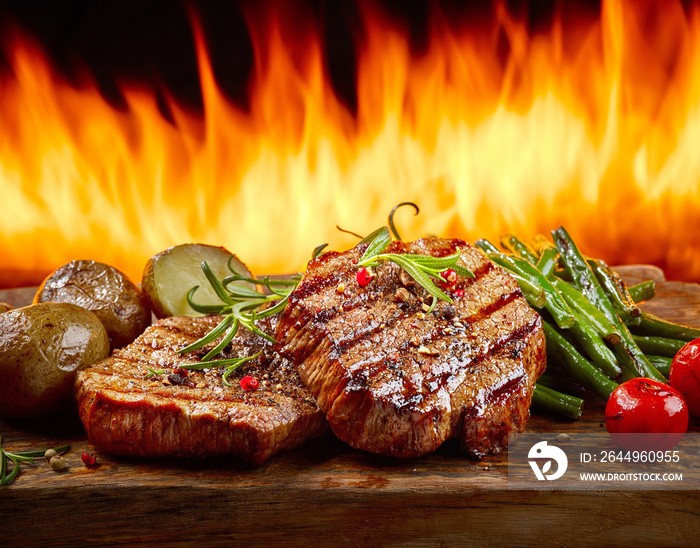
{"x": 326, "y": 494}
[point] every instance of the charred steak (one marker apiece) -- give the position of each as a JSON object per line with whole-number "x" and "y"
{"x": 191, "y": 413}
{"x": 396, "y": 381}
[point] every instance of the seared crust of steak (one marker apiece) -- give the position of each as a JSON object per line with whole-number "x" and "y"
{"x": 396, "y": 381}
{"x": 193, "y": 414}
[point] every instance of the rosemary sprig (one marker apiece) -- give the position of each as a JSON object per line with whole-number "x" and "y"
{"x": 231, "y": 365}
{"x": 7, "y": 477}
{"x": 242, "y": 305}
{"x": 422, "y": 268}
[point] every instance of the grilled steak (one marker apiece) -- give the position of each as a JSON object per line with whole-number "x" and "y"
{"x": 394, "y": 380}
{"x": 191, "y": 413}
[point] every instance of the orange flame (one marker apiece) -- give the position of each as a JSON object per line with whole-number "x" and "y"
{"x": 592, "y": 124}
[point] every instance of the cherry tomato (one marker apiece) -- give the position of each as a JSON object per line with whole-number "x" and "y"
{"x": 685, "y": 375}
{"x": 646, "y": 414}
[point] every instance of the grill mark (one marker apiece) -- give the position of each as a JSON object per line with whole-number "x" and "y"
{"x": 514, "y": 336}
{"x": 502, "y": 300}
{"x": 365, "y": 297}
{"x": 476, "y": 360}
{"x": 434, "y": 335}
{"x": 408, "y": 396}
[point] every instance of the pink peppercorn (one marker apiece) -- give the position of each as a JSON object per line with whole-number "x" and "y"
{"x": 364, "y": 276}
{"x": 249, "y": 383}
{"x": 450, "y": 276}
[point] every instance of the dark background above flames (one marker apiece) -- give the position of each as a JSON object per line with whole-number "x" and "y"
{"x": 153, "y": 42}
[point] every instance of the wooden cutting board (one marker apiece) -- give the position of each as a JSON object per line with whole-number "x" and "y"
{"x": 326, "y": 493}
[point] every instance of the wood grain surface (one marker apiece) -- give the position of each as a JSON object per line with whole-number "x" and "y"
{"x": 327, "y": 494}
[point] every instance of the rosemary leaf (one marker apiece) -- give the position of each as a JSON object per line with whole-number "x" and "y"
{"x": 239, "y": 291}
{"x": 378, "y": 245}
{"x": 203, "y": 308}
{"x": 318, "y": 251}
{"x": 216, "y": 285}
{"x": 420, "y": 277}
{"x": 374, "y": 235}
{"x": 463, "y": 271}
{"x": 279, "y": 307}
{"x": 233, "y": 366}
{"x": 36, "y": 454}
{"x": 440, "y": 263}
{"x": 230, "y": 334}
{"x": 198, "y": 366}
{"x": 211, "y": 336}
{"x": 9, "y": 478}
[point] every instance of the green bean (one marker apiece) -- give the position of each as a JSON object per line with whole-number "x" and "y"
{"x": 555, "y": 304}
{"x": 656, "y": 327}
{"x": 627, "y": 351}
{"x": 548, "y": 261}
{"x": 534, "y": 294}
{"x": 662, "y": 363}
{"x": 519, "y": 248}
{"x": 616, "y": 290}
{"x": 559, "y": 380}
{"x": 605, "y": 328}
{"x": 583, "y": 333}
{"x": 642, "y": 291}
{"x": 542, "y": 243}
{"x": 580, "y": 271}
{"x": 577, "y": 365}
{"x": 547, "y": 399}
{"x": 486, "y": 246}
{"x": 660, "y": 346}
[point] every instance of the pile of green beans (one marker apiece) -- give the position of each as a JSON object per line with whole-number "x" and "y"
{"x": 596, "y": 333}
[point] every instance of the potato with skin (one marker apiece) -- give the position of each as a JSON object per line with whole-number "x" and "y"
{"x": 116, "y": 300}
{"x": 169, "y": 276}
{"x": 42, "y": 346}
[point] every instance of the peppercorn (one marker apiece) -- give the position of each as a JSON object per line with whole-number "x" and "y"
{"x": 402, "y": 295}
{"x": 57, "y": 463}
{"x": 249, "y": 383}
{"x": 450, "y": 276}
{"x": 88, "y": 459}
{"x": 364, "y": 276}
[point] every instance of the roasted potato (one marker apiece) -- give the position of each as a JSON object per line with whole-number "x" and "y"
{"x": 42, "y": 346}
{"x": 170, "y": 275}
{"x": 117, "y": 301}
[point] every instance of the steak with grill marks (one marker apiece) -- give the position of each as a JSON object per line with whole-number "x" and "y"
{"x": 395, "y": 380}
{"x": 191, "y": 413}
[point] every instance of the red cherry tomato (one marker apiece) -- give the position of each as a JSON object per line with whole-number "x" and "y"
{"x": 646, "y": 414}
{"x": 685, "y": 375}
